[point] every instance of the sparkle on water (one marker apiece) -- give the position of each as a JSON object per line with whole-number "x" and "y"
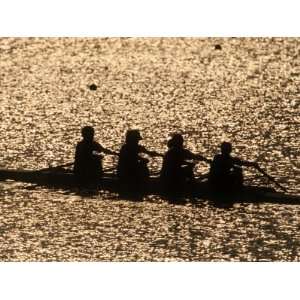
{"x": 246, "y": 91}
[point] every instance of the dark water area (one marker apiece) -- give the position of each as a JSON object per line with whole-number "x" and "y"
{"x": 246, "y": 91}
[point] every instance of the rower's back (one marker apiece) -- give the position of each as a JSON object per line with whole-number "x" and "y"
{"x": 87, "y": 165}
{"x": 132, "y": 168}
{"x": 175, "y": 170}
{"x": 173, "y": 161}
{"x": 224, "y": 173}
{"x": 128, "y": 159}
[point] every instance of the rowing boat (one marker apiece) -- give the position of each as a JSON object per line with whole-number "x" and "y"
{"x": 200, "y": 189}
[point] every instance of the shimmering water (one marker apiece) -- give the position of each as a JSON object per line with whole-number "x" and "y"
{"x": 247, "y": 92}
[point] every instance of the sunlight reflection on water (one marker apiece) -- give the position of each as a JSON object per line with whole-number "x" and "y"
{"x": 247, "y": 93}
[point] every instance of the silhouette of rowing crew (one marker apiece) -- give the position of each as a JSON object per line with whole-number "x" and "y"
{"x": 177, "y": 167}
{"x": 176, "y": 177}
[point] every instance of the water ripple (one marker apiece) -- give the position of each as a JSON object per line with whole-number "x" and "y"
{"x": 247, "y": 93}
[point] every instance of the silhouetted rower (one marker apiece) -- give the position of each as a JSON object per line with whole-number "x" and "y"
{"x": 132, "y": 168}
{"x": 176, "y": 169}
{"x": 88, "y": 161}
{"x": 226, "y": 172}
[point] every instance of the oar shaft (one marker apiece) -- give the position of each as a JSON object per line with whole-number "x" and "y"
{"x": 271, "y": 178}
{"x": 60, "y": 166}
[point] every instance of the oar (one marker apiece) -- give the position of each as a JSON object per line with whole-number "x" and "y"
{"x": 60, "y": 166}
{"x": 270, "y": 178}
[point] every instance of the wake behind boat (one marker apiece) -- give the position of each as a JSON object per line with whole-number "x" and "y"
{"x": 199, "y": 190}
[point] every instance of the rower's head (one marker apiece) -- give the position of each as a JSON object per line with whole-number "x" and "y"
{"x": 133, "y": 136}
{"x": 176, "y": 141}
{"x": 226, "y": 148}
{"x": 87, "y": 133}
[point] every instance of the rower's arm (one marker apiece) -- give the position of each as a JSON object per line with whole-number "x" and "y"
{"x": 109, "y": 152}
{"x": 100, "y": 149}
{"x": 190, "y": 155}
{"x": 246, "y": 163}
{"x": 252, "y": 164}
{"x": 152, "y": 153}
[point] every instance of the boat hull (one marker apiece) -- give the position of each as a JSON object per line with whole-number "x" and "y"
{"x": 109, "y": 182}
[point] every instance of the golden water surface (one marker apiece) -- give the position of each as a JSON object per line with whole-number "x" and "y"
{"x": 246, "y": 92}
